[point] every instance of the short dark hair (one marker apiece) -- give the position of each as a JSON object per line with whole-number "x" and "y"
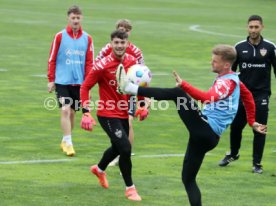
{"x": 74, "y": 9}
{"x": 255, "y": 18}
{"x": 119, "y": 34}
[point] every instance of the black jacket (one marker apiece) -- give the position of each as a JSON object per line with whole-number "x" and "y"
{"x": 255, "y": 65}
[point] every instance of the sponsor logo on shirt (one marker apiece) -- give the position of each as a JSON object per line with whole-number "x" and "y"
{"x": 249, "y": 65}
{"x": 244, "y": 52}
{"x": 70, "y": 52}
{"x": 69, "y": 61}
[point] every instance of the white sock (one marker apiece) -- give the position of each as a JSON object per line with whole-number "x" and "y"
{"x": 132, "y": 186}
{"x": 132, "y": 88}
{"x": 67, "y": 139}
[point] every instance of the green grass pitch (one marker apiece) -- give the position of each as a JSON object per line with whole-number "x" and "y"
{"x": 173, "y": 34}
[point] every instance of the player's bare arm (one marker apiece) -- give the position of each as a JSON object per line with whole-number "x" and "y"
{"x": 177, "y": 79}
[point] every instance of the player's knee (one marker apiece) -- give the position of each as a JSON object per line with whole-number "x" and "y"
{"x": 126, "y": 150}
{"x": 180, "y": 97}
{"x": 178, "y": 91}
{"x": 258, "y": 135}
{"x": 130, "y": 125}
{"x": 66, "y": 111}
{"x": 185, "y": 179}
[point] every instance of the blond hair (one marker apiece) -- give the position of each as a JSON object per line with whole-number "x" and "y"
{"x": 227, "y": 52}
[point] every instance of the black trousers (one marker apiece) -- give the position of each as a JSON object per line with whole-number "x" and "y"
{"x": 201, "y": 137}
{"x": 117, "y": 130}
{"x": 262, "y": 108}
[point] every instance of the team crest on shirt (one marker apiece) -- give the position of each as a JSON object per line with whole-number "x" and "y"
{"x": 118, "y": 133}
{"x": 222, "y": 88}
{"x": 263, "y": 51}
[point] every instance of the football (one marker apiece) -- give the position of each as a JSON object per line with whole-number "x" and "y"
{"x": 139, "y": 75}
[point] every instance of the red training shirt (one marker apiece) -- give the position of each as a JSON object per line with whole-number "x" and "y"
{"x": 131, "y": 49}
{"x": 104, "y": 73}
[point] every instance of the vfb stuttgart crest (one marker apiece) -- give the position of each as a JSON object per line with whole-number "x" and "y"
{"x": 263, "y": 51}
{"x": 118, "y": 133}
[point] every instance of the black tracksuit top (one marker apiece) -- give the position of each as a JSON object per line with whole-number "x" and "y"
{"x": 255, "y": 65}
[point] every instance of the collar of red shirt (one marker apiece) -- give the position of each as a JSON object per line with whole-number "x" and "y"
{"x": 116, "y": 58}
{"x": 70, "y": 31}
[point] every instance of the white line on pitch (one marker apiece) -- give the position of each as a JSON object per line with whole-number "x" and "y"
{"x": 164, "y": 155}
{"x": 160, "y": 155}
{"x": 3, "y": 70}
{"x": 35, "y": 161}
{"x": 197, "y": 29}
{"x": 68, "y": 160}
{"x": 39, "y": 75}
{"x": 160, "y": 74}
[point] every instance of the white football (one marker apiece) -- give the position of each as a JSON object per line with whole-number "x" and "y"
{"x": 139, "y": 74}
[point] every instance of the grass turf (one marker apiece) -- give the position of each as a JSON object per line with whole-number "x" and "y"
{"x": 173, "y": 34}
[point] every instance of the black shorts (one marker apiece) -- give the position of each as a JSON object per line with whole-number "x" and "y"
{"x": 68, "y": 95}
